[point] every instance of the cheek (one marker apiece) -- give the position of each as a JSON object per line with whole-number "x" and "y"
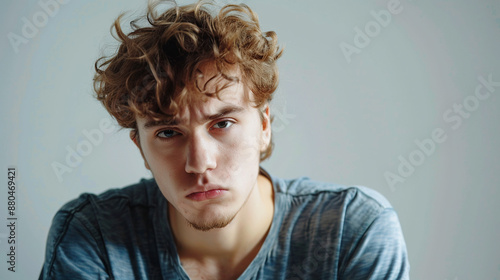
{"x": 159, "y": 152}
{"x": 242, "y": 150}
{"x": 166, "y": 163}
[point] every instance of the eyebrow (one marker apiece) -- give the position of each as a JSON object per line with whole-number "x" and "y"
{"x": 175, "y": 121}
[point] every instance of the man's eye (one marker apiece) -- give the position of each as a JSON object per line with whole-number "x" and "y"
{"x": 167, "y": 133}
{"x": 223, "y": 124}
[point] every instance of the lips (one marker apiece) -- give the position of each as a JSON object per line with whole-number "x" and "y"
{"x": 206, "y": 192}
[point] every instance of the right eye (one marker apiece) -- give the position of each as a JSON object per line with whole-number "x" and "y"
{"x": 166, "y": 134}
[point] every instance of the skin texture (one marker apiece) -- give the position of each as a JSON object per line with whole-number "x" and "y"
{"x": 213, "y": 144}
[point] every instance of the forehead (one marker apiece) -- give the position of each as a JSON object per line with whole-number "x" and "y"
{"x": 231, "y": 98}
{"x": 221, "y": 94}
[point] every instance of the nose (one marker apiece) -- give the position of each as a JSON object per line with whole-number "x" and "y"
{"x": 201, "y": 151}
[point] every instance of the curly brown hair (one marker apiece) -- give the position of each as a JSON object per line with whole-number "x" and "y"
{"x": 155, "y": 68}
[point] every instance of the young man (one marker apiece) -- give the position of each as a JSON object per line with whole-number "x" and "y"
{"x": 194, "y": 88}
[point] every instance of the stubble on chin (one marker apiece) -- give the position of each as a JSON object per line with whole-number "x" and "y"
{"x": 218, "y": 223}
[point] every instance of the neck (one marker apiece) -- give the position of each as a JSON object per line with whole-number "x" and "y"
{"x": 235, "y": 245}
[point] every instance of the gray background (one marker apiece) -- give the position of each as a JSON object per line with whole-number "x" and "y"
{"x": 338, "y": 121}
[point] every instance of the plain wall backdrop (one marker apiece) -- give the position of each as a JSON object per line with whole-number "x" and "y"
{"x": 400, "y": 96}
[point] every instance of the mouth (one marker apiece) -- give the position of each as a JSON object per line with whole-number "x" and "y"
{"x": 206, "y": 193}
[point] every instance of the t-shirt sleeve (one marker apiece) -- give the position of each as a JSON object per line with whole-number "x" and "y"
{"x": 380, "y": 253}
{"x": 73, "y": 250}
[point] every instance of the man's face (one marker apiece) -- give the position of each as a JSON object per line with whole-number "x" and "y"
{"x": 206, "y": 160}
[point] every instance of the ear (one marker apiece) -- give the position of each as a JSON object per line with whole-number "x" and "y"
{"x": 134, "y": 136}
{"x": 266, "y": 127}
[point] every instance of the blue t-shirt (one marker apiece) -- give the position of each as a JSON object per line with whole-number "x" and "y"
{"x": 319, "y": 231}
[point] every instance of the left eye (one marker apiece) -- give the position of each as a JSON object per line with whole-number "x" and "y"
{"x": 223, "y": 124}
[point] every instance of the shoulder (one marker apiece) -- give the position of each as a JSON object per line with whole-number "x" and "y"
{"x": 329, "y": 206}
{"x": 356, "y": 225}
{"x": 139, "y": 194}
{"x": 106, "y": 210}
{"x": 82, "y": 228}
{"x": 344, "y": 196}
{"x": 347, "y": 212}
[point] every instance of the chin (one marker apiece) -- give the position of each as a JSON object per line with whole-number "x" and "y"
{"x": 209, "y": 223}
